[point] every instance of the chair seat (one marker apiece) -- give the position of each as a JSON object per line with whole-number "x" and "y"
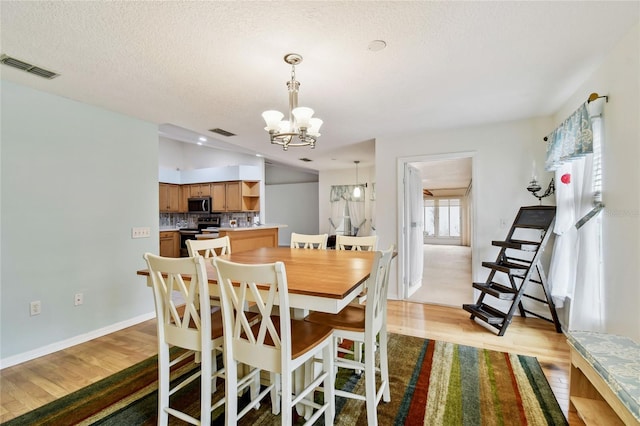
{"x": 351, "y": 318}
{"x": 304, "y": 335}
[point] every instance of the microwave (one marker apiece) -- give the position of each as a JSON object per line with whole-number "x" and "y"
{"x": 199, "y": 205}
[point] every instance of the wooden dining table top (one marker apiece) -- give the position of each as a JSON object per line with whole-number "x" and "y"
{"x": 330, "y": 274}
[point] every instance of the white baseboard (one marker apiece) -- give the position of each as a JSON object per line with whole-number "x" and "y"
{"x": 64, "y": 344}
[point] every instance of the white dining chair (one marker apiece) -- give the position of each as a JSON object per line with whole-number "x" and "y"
{"x": 187, "y": 324}
{"x": 368, "y": 243}
{"x": 209, "y": 247}
{"x": 277, "y": 344}
{"x": 309, "y": 241}
{"x": 365, "y": 325}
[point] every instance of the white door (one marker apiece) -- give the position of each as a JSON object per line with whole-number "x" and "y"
{"x": 414, "y": 229}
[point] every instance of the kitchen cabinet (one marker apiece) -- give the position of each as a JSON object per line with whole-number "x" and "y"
{"x": 170, "y": 243}
{"x": 250, "y": 195}
{"x": 227, "y": 196}
{"x": 169, "y": 198}
{"x": 199, "y": 190}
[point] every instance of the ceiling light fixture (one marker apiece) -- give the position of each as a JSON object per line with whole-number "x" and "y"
{"x": 356, "y": 191}
{"x": 301, "y": 129}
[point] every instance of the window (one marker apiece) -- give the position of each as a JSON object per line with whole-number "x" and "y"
{"x": 442, "y": 218}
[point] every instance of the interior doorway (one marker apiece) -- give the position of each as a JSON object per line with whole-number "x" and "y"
{"x": 447, "y": 232}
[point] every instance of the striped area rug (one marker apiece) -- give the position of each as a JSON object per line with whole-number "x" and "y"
{"x": 432, "y": 383}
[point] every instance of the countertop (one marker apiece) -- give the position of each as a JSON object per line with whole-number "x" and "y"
{"x": 243, "y": 228}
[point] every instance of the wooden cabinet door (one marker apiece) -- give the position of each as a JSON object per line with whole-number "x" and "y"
{"x": 218, "y": 197}
{"x": 169, "y": 197}
{"x": 169, "y": 244}
{"x": 234, "y": 197}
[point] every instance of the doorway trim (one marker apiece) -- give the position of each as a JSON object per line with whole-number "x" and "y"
{"x": 402, "y": 289}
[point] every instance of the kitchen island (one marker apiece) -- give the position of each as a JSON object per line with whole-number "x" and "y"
{"x": 246, "y": 238}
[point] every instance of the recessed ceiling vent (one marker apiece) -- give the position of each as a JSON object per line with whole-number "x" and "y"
{"x": 306, "y": 160}
{"x": 25, "y": 66}
{"x": 222, "y": 132}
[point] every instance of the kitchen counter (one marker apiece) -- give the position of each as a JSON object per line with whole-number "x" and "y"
{"x": 246, "y": 238}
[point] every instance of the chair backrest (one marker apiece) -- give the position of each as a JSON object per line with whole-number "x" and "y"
{"x": 209, "y": 247}
{"x": 309, "y": 241}
{"x": 378, "y": 282}
{"x": 180, "y": 325}
{"x": 264, "y": 286}
{"x": 357, "y": 243}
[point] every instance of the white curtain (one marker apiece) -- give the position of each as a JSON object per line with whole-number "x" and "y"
{"x": 356, "y": 213}
{"x": 372, "y": 207}
{"x": 338, "y": 203}
{"x": 414, "y": 225}
{"x": 341, "y": 196}
{"x": 574, "y": 273}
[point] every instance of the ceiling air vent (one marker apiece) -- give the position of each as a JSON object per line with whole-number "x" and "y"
{"x": 25, "y": 66}
{"x": 306, "y": 160}
{"x": 222, "y": 132}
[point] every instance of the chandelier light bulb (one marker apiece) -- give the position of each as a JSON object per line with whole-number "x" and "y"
{"x": 302, "y": 116}
{"x": 272, "y": 118}
{"x": 356, "y": 192}
{"x": 314, "y": 127}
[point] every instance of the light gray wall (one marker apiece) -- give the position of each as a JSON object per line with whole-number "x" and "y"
{"x": 75, "y": 179}
{"x": 295, "y": 205}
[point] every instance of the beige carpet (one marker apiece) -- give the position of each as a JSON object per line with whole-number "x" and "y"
{"x": 446, "y": 277}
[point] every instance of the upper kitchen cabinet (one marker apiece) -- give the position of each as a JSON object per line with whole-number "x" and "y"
{"x": 199, "y": 190}
{"x": 226, "y": 196}
{"x": 169, "y": 197}
{"x": 250, "y": 196}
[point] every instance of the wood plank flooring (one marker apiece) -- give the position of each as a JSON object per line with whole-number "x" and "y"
{"x": 34, "y": 383}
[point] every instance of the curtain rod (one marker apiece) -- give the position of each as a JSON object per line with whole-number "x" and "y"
{"x": 592, "y": 97}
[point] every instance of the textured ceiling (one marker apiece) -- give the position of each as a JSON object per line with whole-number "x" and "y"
{"x": 200, "y": 65}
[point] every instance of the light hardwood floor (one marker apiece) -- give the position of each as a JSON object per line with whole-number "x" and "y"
{"x": 31, "y": 384}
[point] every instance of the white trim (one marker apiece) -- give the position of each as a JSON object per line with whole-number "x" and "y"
{"x": 400, "y": 284}
{"x": 64, "y": 344}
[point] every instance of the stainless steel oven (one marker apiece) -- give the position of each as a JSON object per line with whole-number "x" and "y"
{"x": 186, "y": 234}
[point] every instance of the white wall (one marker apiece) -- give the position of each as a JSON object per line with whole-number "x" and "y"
{"x": 295, "y": 205}
{"x": 343, "y": 177}
{"x": 75, "y": 180}
{"x": 618, "y": 78}
{"x": 502, "y": 163}
{"x": 188, "y": 158}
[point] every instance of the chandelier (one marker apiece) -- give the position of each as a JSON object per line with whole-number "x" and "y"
{"x": 301, "y": 129}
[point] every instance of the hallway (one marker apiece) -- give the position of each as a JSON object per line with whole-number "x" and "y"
{"x": 446, "y": 276}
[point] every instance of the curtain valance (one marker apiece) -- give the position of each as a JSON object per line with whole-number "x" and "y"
{"x": 571, "y": 139}
{"x": 345, "y": 192}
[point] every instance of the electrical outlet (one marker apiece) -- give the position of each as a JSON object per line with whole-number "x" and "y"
{"x": 78, "y": 299}
{"x": 141, "y": 232}
{"x": 35, "y": 307}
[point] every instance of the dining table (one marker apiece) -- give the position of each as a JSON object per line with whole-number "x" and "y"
{"x": 317, "y": 280}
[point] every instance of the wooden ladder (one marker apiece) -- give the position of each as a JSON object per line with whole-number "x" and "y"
{"x": 519, "y": 260}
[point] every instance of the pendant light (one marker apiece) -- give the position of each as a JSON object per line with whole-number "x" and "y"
{"x": 356, "y": 191}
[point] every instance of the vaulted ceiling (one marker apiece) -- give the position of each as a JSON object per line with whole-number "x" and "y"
{"x": 193, "y": 66}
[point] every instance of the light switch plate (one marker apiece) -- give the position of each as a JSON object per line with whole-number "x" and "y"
{"x": 141, "y": 232}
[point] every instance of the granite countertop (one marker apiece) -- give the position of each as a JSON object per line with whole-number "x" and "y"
{"x": 247, "y": 228}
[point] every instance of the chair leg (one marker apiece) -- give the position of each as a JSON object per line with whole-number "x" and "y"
{"x": 163, "y": 384}
{"x": 329, "y": 382}
{"x": 275, "y": 394}
{"x": 357, "y": 353}
{"x": 370, "y": 384}
{"x": 384, "y": 365}
{"x": 231, "y": 391}
{"x": 286, "y": 414}
{"x": 205, "y": 387}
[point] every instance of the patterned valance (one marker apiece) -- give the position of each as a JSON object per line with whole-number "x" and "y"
{"x": 573, "y": 138}
{"x": 345, "y": 192}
